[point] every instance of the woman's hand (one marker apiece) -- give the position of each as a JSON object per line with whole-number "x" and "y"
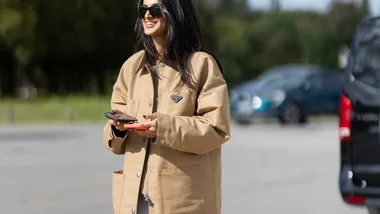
{"x": 151, "y": 132}
{"x": 119, "y": 126}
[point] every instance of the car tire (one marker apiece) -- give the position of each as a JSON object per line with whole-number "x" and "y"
{"x": 291, "y": 113}
{"x": 373, "y": 210}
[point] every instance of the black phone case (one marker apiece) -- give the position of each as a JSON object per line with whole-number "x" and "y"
{"x": 120, "y": 117}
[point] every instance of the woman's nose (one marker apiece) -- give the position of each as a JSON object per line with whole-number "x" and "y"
{"x": 147, "y": 14}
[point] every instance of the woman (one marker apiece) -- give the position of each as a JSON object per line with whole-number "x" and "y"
{"x": 176, "y": 90}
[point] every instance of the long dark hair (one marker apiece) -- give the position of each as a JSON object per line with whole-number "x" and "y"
{"x": 184, "y": 37}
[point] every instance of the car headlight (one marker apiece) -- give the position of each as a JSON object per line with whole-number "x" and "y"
{"x": 256, "y": 102}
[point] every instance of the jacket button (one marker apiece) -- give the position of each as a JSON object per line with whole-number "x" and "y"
{"x": 162, "y": 141}
{"x": 150, "y": 103}
{"x": 133, "y": 211}
{"x": 138, "y": 174}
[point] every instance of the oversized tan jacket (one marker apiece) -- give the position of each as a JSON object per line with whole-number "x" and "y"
{"x": 183, "y": 164}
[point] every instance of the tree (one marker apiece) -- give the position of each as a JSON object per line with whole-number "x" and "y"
{"x": 237, "y": 8}
{"x": 17, "y": 33}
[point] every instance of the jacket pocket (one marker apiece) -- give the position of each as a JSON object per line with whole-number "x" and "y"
{"x": 117, "y": 190}
{"x": 182, "y": 190}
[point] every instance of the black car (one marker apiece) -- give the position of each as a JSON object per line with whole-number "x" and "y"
{"x": 359, "y": 124}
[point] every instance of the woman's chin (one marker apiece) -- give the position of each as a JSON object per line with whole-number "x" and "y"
{"x": 151, "y": 32}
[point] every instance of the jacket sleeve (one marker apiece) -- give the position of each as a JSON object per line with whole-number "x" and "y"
{"x": 112, "y": 142}
{"x": 113, "y": 139}
{"x": 210, "y": 128}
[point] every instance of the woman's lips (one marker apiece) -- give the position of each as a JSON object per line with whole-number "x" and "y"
{"x": 150, "y": 24}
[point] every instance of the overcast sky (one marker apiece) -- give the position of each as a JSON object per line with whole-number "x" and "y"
{"x": 319, "y": 5}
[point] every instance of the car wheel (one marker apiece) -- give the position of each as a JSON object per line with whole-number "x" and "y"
{"x": 292, "y": 114}
{"x": 373, "y": 210}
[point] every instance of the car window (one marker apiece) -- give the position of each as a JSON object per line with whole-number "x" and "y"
{"x": 283, "y": 78}
{"x": 287, "y": 81}
{"x": 364, "y": 63}
{"x": 270, "y": 79}
{"x": 293, "y": 82}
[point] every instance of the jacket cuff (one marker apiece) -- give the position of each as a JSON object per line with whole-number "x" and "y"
{"x": 112, "y": 141}
{"x": 163, "y": 136}
{"x": 118, "y": 134}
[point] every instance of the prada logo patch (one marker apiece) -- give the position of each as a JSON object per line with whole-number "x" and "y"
{"x": 176, "y": 98}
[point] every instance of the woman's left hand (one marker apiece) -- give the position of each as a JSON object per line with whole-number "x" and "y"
{"x": 151, "y": 132}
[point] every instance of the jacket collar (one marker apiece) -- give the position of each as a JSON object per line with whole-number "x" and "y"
{"x": 145, "y": 64}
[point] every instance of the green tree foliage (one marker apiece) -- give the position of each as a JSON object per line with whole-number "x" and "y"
{"x": 78, "y": 46}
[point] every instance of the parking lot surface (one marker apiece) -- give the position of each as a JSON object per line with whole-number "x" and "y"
{"x": 267, "y": 169}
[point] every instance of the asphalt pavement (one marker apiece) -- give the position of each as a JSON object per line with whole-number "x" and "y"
{"x": 267, "y": 169}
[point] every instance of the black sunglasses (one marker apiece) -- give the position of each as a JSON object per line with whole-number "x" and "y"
{"x": 154, "y": 10}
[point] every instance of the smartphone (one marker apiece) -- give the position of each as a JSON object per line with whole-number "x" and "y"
{"x": 120, "y": 117}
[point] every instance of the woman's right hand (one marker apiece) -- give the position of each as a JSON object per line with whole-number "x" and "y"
{"x": 119, "y": 126}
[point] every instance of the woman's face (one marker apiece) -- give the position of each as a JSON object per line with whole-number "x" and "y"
{"x": 155, "y": 25}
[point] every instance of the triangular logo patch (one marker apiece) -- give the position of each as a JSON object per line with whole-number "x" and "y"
{"x": 176, "y": 98}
